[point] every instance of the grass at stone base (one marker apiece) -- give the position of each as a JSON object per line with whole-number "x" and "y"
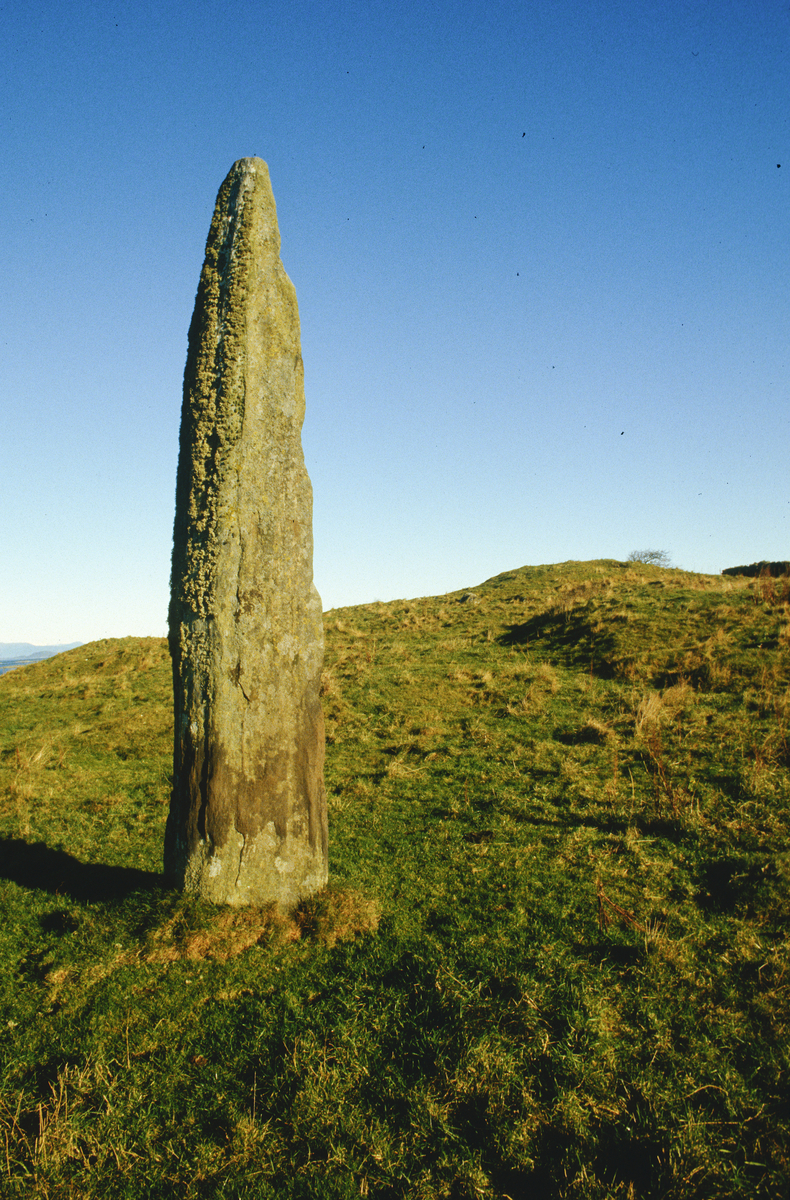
{"x": 554, "y": 957}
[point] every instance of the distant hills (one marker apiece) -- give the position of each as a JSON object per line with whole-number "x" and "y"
{"x": 19, "y": 654}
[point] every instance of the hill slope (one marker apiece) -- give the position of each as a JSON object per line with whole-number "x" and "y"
{"x": 553, "y": 959}
{"x": 20, "y": 654}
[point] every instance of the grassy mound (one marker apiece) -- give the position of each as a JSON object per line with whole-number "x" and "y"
{"x": 553, "y": 960}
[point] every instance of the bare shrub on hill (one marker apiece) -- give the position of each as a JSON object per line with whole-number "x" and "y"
{"x": 651, "y": 558}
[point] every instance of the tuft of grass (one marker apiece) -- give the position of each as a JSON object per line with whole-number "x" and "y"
{"x": 553, "y": 958}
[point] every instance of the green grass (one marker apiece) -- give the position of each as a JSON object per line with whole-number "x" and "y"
{"x": 553, "y": 959}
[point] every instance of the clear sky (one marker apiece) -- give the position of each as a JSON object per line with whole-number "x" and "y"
{"x": 541, "y": 256}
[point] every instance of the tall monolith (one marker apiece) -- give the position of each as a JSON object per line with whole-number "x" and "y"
{"x": 247, "y": 821}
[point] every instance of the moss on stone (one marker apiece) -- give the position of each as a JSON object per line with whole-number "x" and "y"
{"x": 245, "y": 620}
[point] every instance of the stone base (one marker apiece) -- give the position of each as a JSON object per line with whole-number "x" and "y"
{"x": 258, "y": 870}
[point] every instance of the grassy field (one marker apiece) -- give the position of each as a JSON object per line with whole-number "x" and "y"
{"x": 553, "y": 959}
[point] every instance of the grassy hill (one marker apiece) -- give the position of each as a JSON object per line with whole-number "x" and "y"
{"x": 553, "y": 960}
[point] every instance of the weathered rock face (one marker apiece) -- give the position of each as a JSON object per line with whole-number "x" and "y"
{"x": 247, "y": 820}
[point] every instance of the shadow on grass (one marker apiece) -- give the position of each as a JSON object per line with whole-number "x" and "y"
{"x": 670, "y": 828}
{"x": 571, "y": 635}
{"x": 38, "y": 866}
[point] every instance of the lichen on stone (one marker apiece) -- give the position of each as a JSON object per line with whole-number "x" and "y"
{"x": 245, "y": 620}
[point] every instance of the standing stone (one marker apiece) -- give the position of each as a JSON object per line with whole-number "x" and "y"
{"x": 248, "y": 821}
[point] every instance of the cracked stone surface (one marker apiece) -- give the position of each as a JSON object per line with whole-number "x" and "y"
{"x": 248, "y": 821}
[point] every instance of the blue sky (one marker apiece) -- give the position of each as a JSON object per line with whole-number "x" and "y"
{"x": 541, "y": 256}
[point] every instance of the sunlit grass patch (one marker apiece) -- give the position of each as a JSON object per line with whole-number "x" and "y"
{"x": 553, "y": 959}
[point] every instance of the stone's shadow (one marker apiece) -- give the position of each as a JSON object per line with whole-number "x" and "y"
{"x": 37, "y": 866}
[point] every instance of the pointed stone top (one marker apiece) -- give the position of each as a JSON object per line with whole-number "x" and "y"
{"x": 245, "y": 207}
{"x": 249, "y": 166}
